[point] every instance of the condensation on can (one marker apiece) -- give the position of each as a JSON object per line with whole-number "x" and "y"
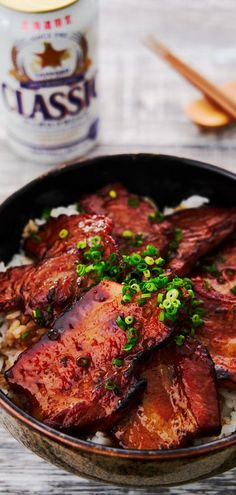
{"x": 48, "y": 77}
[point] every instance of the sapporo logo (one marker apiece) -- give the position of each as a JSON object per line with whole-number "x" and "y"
{"x": 51, "y": 58}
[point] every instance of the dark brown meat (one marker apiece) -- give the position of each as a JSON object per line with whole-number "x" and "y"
{"x": 218, "y": 332}
{"x": 10, "y": 287}
{"x": 220, "y": 269}
{"x": 134, "y": 219}
{"x": 180, "y": 402}
{"x": 70, "y": 374}
{"x": 79, "y": 227}
{"x": 53, "y": 283}
{"x": 202, "y": 230}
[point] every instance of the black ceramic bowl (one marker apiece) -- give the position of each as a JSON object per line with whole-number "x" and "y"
{"x": 168, "y": 180}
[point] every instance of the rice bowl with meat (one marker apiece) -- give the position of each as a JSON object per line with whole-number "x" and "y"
{"x": 25, "y": 328}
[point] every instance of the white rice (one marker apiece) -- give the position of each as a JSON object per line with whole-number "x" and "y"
{"x": 64, "y": 210}
{"x": 101, "y": 439}
{"x": 192, "y": 202}
{"x": 227, "y": 397}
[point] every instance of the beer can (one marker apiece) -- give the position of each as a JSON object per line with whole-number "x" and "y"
{"x": 48, "y": 74}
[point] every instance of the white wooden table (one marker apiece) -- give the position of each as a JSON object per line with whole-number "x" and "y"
{"x": 142, "y": 110}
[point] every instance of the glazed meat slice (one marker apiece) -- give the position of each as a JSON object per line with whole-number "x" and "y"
{"x": 134, "y": 227}
{"x": 218, "y": 331}
{"x": 60, "y": 234}
{"x": 219, "y": 269}
{"x": 179, "y": 404}
{"x": 199, "y": 231}
{"x": 83, "y": 373}
{"x": 10, "y": 287}
{"x": 47, "y": 286}
{"x": 50, "y": 285}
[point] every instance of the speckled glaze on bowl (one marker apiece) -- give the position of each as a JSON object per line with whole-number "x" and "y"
{"x": 168, "y": 180}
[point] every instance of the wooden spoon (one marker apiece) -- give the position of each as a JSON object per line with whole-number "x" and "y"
{"x": 207, "y": 114}
{"x": 203, "y": 112}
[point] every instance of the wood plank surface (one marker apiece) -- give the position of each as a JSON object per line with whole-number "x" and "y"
{"x": 142, "y": 103}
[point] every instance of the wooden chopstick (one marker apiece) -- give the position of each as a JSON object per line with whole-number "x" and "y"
{"x": 194, "y": 77}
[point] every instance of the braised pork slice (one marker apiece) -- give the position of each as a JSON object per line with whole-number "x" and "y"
{"x": 60, "y": 234}
{"x": 217, "y": 289}
{"x": 220, "y": 269}
{"x": 47, "y": 287}
{"x": 136, "y": 220}
{"x": 179, "y": 404}
{"x": 198, "y": 232}
{"x": 83, "y": 372}
{"x": 10, "y": 287}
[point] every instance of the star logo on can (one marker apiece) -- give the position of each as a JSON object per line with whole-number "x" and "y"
{"x": 52, "y": 57}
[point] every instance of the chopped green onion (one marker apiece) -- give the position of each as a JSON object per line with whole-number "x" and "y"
{"x": 121, "y": 322}
{"x": 156, "y": 216}
{"x": 180, "y": 339}
{"x": 171, "y": 311}
{"x": 95, "y": 255}
{"x": 82, "y": 245}
{"x": 177, "y": 282}
{"x": 24, "y": 335}
{"x": 46, "y": 214}
{"x": 149, "y": 260}
{"x": 212, "y": 269}
{"x": 129, "y": 320}
{"x": 126, "y": 299}
{"x": 160, "y": 261}
{"x": 127, "y": 234}
{"x": 162, "y": 316}
{"x": 142, "y": 302}
{"x": 36, "y": 237}
{"x": 197, "y": 321}
{"x": 117, "y": 362}
{"x": 178, "y": 235}
{"x": 132, "y": 339}
{"x": 111, "y": 386}
{"x": 167, "y": 304}
{"x": 79, "y": 208}
{"x": 135, "y": 259}
{"x": 81, "y": 270}
{"x": 160, "y": 298}
{"x": 63, "y": 234}
{"x": 147, "y": 274}
{"x": 113, "y": 194}
{"x": 233, "y": 290}
{"x": 151, "y": 250}
{"x": 132, "y": 332}
{"x": 129, "y": 346}
{"x": 150, "y": 287}
{"x": 191, "y": 293}
{"x": 38, "y": 316}
{"x": 141, "y": 267}
{"x": 206, "y": 284}
{"x": 176, "y": 303}
{"x": 133, "y": 202}
{"x": 96, "y": 241}
{"x": 88, "y": 269}
{"x": 135, "y": 287}
{"x": 138, "y": 240}
{"x": 172, "y": 294}
{"x": 145, "y": 296}
{"x": 196, "y": 302}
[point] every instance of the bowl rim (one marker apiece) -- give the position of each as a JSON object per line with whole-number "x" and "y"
{"x": 87, "y": 446}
